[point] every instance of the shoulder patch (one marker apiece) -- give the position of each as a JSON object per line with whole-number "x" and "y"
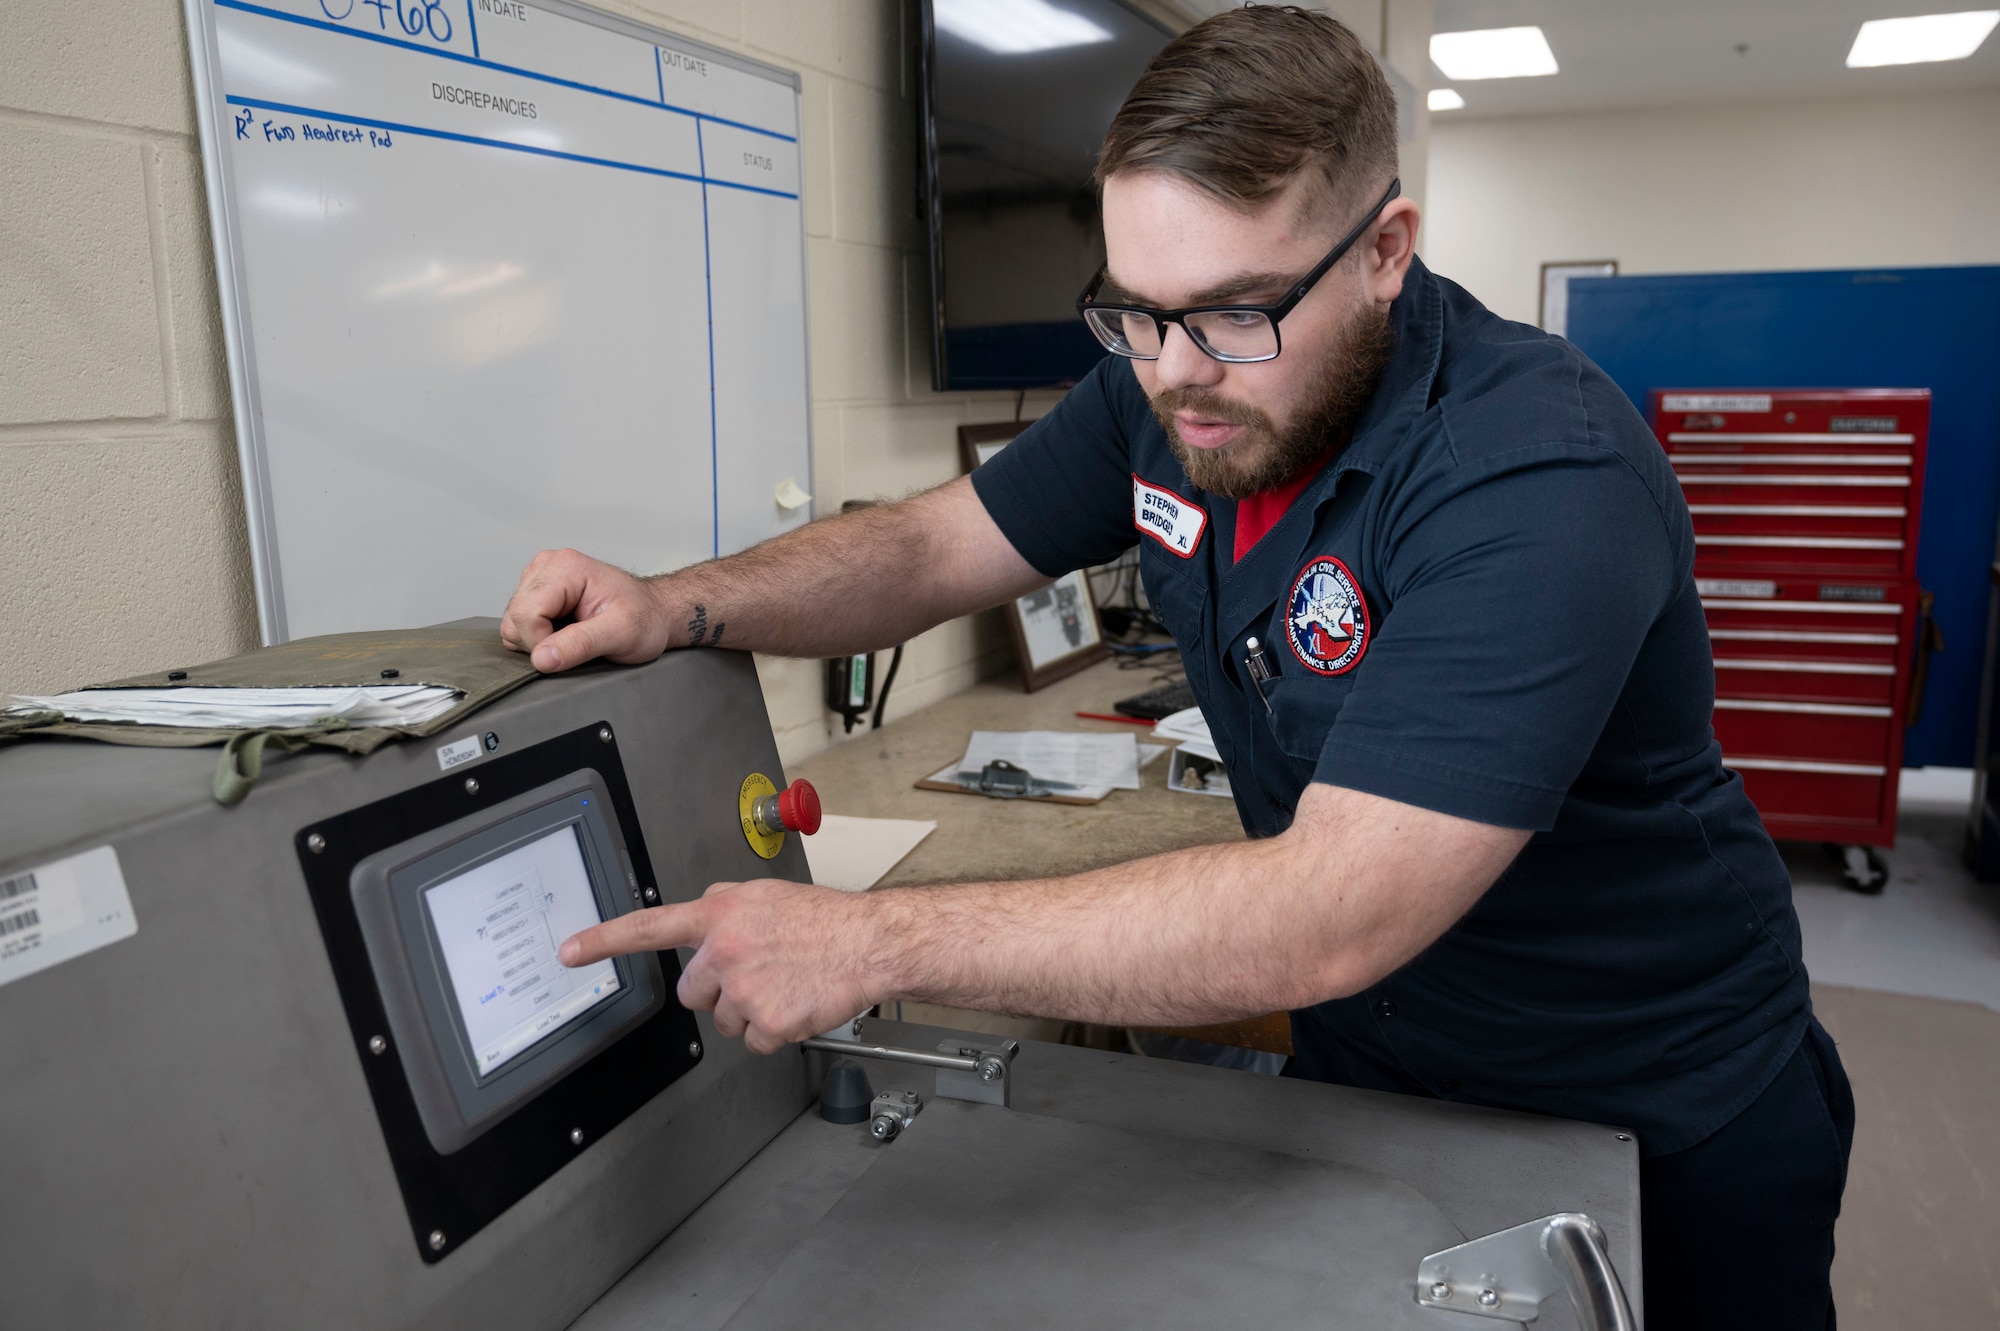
{"x": 1174, "y": 522}
{"x": 1326, "y": 618}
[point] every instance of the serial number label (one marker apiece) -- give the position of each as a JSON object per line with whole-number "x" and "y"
{"x": 54, "y": 912}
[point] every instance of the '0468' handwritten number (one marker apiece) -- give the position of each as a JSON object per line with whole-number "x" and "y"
{"x": 414, "y": 17}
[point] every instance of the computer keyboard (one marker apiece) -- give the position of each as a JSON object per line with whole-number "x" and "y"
{"x": 1153, "y": 704}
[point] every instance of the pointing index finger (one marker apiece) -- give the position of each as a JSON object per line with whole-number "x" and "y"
{"x": 652, "y": 930}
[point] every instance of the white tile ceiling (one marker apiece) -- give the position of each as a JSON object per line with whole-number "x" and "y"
{"x": 1664, "y": 52}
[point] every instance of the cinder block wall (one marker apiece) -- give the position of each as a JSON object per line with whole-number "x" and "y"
{"x": 122, "y": 537}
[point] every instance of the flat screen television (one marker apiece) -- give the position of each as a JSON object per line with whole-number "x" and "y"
{"x": 1017, "y": 95}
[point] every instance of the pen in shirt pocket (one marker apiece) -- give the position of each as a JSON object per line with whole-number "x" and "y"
{"x": 1259, "y": 668}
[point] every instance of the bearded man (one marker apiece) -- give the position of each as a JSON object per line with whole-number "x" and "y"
{"x": 1493, "y": 853}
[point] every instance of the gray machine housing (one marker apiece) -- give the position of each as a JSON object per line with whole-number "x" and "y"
{"x": 193, "y": 1143}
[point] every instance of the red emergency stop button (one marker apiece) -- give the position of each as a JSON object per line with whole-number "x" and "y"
{"x": 798, "y": 808}
{"x": 793, "y": 809}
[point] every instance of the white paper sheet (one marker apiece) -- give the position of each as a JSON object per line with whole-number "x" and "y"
{"x": 1188, "y": 723}
{"x": 1147, "y": 752}
{"x": 854, "y": 854}
{"x": 1074, "y": 758}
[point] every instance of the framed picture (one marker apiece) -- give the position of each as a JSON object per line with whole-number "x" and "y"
{"x": 1055, "y": 628}
{"x": 1552, "y": 309}
{"x": 976, "y": 443}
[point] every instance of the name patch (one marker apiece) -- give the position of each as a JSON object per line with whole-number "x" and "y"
{"x": 1166, "y": 517}
{"x": 1326, "y": 618}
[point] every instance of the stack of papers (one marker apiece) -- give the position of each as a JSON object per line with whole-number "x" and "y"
{"x": 1190, "y": 729}
{"x": 251, "y": 709}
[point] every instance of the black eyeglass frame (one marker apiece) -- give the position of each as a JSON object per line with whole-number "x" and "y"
{"x": 1275, "y": 313}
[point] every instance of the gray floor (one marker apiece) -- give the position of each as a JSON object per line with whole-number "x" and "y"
{"x": 1908, "y": 983}
{"x": 1933, "y": 931}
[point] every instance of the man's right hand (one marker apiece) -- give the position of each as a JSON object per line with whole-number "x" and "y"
{"x": 616, "y": 616}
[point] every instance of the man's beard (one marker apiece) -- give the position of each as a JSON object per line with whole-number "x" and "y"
{"x": 1264, "y": 457}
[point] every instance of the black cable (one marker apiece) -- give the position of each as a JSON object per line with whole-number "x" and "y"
{"x": 882, "y": 698}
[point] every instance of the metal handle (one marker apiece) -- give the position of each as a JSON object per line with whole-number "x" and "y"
{"x": 979, "y": 1068}
{"x": 890, "y": 1053}
{"x": 1508, "y": 1274}
{"x": 1575, "y": 1246}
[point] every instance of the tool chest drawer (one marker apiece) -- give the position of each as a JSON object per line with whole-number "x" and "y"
{"x": 1811, "y": 681}
{"x": 1826, "y": 482}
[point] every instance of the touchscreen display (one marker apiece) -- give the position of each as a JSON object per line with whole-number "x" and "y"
{"x": 499, "y": 925}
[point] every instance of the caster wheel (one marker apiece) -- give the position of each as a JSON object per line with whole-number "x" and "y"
{"x": 1861, "y": 867}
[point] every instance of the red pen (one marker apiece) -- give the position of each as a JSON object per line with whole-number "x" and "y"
{"x": 1106, "y": 716}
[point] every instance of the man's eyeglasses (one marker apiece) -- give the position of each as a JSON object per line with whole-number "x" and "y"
{"x": 1235, "y": 333}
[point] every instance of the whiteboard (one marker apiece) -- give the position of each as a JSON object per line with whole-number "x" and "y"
{"x": 497, "y": 277}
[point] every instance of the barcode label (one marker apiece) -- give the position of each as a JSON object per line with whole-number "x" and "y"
{"x": 54, "y": 912}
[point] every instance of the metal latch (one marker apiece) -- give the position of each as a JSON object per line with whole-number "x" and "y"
{"x": 1006, "y": 781}
{"x": 969, "y": 1067}
{"x": 1508, "y": 1274}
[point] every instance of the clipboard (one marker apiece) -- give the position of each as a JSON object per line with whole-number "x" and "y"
{"x": 942, "y": 779}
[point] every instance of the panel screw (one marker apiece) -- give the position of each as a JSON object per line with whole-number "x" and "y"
{"x": 472, "y": 785}
{"x": 694, "y": 1049}
{"x": 856, "y": 1027}
{"x": 1440, "y": 1291}
{"x": 376, "y": 1044}
{"x": 1624, "y": 1136}
{"x": 1487, "y": 1298}
{"x": 909, "y": 1097}
{"x": 437, "y": 1240}
{"x": 576, "y": 1136}
{"x": 492, "y": 741}
{"x": 991, "y": 1069}
{"x": 604, "y": 733}
{"x": 315, "y": 842}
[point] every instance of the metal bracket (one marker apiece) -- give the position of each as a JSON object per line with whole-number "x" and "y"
{"x": 891, "y": 1113}
{"x": 1508, "y": 1274}
{"x": 972, "y": 1067}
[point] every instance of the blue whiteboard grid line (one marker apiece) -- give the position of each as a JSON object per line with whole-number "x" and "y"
{"x": 472, "y": 26}
{"x": 661, "y": 105}
{"x": 708, "y": 283}
{"x": 455, "y": 137}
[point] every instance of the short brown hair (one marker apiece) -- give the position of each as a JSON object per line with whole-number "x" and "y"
{"x": 1242, "y": 103}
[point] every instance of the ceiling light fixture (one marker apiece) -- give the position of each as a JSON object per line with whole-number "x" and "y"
{"x": 1918, "y": 40}
{"x": 1446, "y": 99}
{"x": 1493, "y": 53}
{"x": 1016, "y": 27}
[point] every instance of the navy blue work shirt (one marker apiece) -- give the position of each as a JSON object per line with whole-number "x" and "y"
{"x": 1483, "y": 605}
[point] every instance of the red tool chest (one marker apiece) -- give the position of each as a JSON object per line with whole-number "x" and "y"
{"x": 1806, "y": 506}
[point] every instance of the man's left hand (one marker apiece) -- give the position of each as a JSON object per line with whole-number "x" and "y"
{"x": 775, "y": 961}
